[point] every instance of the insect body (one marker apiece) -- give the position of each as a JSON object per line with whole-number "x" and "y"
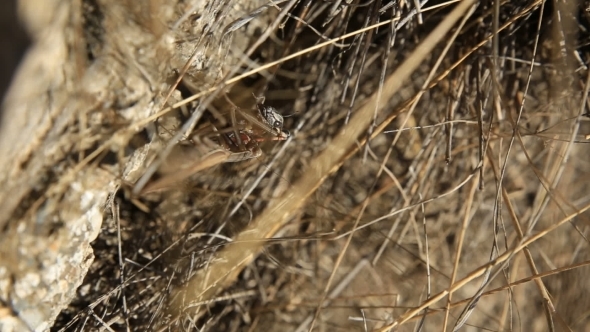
{"x": 267, "y": 125}
{"x": 236, "y": 143}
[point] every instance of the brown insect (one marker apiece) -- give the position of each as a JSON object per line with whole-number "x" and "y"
{"x": 236, "y": 143}
{"x": 245, "y": 135}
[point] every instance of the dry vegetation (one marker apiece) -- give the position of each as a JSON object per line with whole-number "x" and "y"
{"x": 435, "y": 178}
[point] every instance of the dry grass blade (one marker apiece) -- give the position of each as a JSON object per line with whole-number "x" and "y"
{"x": 209, "y": 160}
{"x": 466, "y": 219}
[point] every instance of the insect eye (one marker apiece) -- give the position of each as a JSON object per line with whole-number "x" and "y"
{"x": 278, "y": 124}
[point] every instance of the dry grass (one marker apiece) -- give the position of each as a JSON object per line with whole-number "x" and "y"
{"x": 436, "y": 176}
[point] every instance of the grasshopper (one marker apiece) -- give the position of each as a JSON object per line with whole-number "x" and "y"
{"x": 236, "y": 143}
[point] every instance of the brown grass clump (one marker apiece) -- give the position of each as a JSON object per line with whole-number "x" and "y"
{"x": 434, "y": 176}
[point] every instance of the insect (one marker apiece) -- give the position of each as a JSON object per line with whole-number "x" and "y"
{"x": 267, "y": 125}
{"x": 235, "y": 143}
